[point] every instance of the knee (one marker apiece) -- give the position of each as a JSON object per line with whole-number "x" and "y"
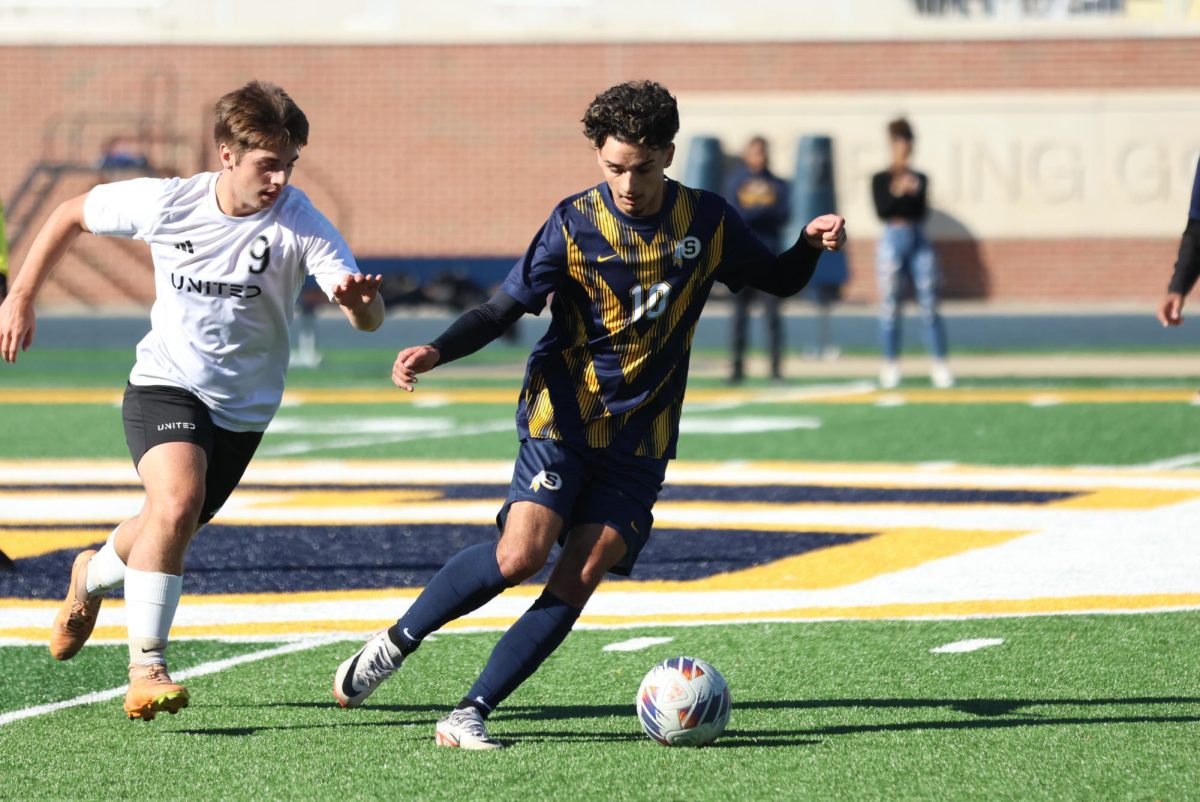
{"x": 518, "y": 563}
{"x": 177, "y": 512}
{"x": 574, "y": 590}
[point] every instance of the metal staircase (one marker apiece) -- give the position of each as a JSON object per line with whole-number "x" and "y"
{"x": 82, "y": 149}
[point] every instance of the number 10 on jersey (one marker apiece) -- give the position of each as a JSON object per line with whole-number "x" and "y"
{"x": 649, "y": 302}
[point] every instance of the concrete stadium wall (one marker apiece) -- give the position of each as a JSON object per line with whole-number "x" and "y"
{"x": 463, "y": 149}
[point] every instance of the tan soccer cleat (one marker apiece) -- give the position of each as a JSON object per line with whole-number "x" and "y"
{"x": 77, "y": 617}
{"x": 152, "y": 691}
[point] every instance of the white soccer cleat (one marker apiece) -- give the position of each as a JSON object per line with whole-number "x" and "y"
{"x": 358, "y": 677}
{"x": 941, "y": 376}
{"x": 464, "y": 729}
{"x": 889, "y": 376}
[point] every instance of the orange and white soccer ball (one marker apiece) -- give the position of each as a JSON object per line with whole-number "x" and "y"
{"x": 683, "y": 701}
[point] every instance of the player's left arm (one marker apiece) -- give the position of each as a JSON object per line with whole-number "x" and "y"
{"x": 327, "y": 258}
{"x": 789, "y": 272}
{"x": 358, "y": 297}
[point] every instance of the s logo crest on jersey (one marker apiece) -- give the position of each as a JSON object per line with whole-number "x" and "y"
{"x": 686, "y": 248}
{"x": 547, "y": 479}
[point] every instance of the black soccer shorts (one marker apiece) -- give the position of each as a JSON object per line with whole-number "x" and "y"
{"x": 160, "y": 414}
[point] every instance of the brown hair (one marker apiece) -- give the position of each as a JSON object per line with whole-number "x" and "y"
{"x": 900, "y": 129}
{"x": 259, "y": 115}
{"x": 636, "y": 113}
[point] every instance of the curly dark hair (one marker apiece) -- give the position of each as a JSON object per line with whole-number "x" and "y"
{"x": 636, "y": 112}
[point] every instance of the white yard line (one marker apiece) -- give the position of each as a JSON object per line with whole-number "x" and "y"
{"x": 796, "y": 396}
{"x": 196, "y": 671}
{"x": 635, "y": 644}
{"x": 962, "y": 646}
{"x": 309, "y": 446}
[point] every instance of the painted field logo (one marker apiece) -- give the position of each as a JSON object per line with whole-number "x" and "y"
{"x": 547, "y": 479}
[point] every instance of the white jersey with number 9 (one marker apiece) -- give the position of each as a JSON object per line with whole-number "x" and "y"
{"x": 225, "y": 287}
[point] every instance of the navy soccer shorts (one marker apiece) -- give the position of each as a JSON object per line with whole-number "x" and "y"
{"x": 160, "y": 414}
{"x": 589, "y": 486}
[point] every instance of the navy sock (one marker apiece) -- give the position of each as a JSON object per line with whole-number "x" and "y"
{"x": 468, "y": 581}
{"x": 521, "y": 650}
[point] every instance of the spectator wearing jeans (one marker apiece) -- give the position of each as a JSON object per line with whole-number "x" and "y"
{"x": 762, "y": 200}
{"x": 900, "y": 201}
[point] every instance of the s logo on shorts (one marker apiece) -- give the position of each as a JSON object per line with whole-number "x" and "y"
{"x": 547, "y": 479}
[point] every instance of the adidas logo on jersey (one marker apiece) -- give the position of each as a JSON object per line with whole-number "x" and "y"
{"x": 186, "y": 245}
{"x": 547, "y": 479}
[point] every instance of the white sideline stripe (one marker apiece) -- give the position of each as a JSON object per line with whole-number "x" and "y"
{"x": 351, "y": 632}
{"x": 308, "y": 446}
{"x": 195, "y": 671}
{"x": 635, "y": 644}
{"x": 1182, "y": 461}
{"x": 972, "y": 645}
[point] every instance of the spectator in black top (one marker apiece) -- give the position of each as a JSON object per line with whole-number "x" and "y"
{"x": 900, "y": 201}
{"x": 762, "y": 200}
{"x": 1187, "y": 266}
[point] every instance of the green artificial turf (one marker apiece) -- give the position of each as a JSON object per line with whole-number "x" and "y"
{"x": 1086, "y": 707}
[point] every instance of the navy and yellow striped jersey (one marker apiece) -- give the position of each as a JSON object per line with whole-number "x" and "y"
{"x": 626, "y": 293}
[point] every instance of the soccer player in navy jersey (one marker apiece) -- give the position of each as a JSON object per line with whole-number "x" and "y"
{"x": 629, "y": 264}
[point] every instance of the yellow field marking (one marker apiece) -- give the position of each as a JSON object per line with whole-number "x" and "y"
{"x": 383, "y": 395}
{"x": 836, "y": 566}
{"x": 981, "y": 608}
{"x": 60, "y": 395}
{"x": 349, "y": 497}
{"x": 285, "y": 597}
{"x": 20, "y": 544}
{"x": 1014, "y": 395}
{"x": 432, "y": 501}
{"x": 1123, "y": 498}
{"x": 977, "y": 607}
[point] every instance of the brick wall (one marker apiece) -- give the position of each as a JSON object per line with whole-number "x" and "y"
{"x": 462, "y": 150}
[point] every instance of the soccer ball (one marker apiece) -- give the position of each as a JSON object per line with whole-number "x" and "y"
{"x": 683, "y": 702}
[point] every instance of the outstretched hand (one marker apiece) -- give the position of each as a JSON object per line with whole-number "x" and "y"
{"x": 410, "y": 362}
{"x": 17, "y": 324}
{"x": 827, "y": 231}
{"x": 356, "y": 291}
{"x": 1170, "y": 310}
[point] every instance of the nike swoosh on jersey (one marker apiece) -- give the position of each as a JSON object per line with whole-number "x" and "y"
{"x": 606, "y": 258}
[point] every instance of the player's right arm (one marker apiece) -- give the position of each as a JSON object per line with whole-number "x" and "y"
{"x": 17, "y": 323}
{"x": 475, "y": 329}
{"x": 525, "y": 289}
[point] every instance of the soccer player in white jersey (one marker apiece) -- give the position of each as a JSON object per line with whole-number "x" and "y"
{"x": 231, "y": 250}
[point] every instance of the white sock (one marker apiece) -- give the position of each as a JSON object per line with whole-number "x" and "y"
{"x": 105, "y": 570}
{"x": 150, "y": 602}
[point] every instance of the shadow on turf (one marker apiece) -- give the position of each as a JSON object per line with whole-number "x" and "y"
{"x": 990, "y": 714}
